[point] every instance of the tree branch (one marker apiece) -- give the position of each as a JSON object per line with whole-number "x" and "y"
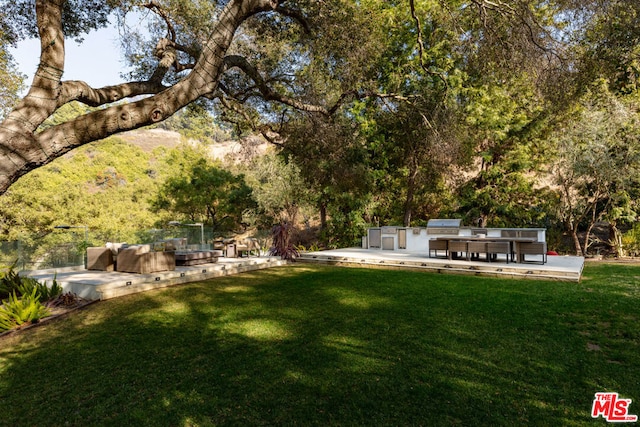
{"x": 80, "y": 91}
{"x": 295, "y": 14}
{"x": 421, "y": 45}
{"x": 267, "y": 93}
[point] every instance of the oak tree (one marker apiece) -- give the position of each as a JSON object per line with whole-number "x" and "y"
{"x": 189, "y": 62}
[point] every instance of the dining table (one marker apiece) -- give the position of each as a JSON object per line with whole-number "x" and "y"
{"x": 514, "y": 242}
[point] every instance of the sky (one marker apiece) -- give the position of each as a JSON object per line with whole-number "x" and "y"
{"x": 96, "y": 61}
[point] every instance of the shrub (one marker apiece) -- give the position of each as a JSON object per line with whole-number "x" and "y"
{"x": 631, "y": 241}
{"x": 26, "y": 298}
{"x": 282, "y": 246}
{"x": 44, "y": 292}
{"x": 10, "y": 281}
{"x": 17, "y": 311}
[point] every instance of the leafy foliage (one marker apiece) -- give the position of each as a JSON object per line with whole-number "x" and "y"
{"x": 207, "y": 193}
{"x": 103, "y": 186}
{"x": 195, "y": 122}
{"x": 435, "y": 108}
{"x": 281, "y": 242}
{"x": 27, "y": 300}
{"x": 10, "y": 281}
{"x": 597, "y": 163}
{"x": 11, "y": 81}
{"x": 278, "y": 189}
{"x": 17, "y": 311}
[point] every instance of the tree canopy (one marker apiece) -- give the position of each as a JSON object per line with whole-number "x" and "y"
{"x": 312, "y": 56}
{"x": 409, "y": 97}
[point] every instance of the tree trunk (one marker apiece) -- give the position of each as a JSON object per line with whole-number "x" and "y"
{"x": 411, "y": 190}
{"x": 576, "y": 242}
{"x": 615, "y": 239}
{"x": 323, "y": 216}
{"x": 572, "y": 228}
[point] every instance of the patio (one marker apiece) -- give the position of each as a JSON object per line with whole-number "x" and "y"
{"x": 102, "y": 285}
{"x": 563, "y": 268}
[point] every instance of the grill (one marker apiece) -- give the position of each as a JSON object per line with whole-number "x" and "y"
{"x": 444, "y": 226}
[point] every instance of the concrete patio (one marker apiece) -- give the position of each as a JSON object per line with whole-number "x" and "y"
{"x": 101, "y": 285}
{"x": 562, "y": 268}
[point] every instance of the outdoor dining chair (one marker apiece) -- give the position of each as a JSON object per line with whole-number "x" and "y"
{"x": 496, "y": 248}
{"x": 458, "y": 246}
{"x": 475, "y": 249}
{"x": 438, "y": 245}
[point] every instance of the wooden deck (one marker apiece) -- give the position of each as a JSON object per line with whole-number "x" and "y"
{"x": 561, "y": 268}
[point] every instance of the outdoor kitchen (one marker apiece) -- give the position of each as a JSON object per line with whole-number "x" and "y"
{"x": 415, "y": 239}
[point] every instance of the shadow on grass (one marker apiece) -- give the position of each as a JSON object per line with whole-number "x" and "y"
{"x": 316, "y": 346}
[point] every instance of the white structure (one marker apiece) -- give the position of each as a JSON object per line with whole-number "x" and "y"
{"x": 416, "y": 239}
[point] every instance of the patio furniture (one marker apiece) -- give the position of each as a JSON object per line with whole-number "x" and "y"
{"x": 175, "y": 244}
{"x": 476, "y": 248}
{"x": 458, "y": 246}
{"x": 438, "y": 245}
{"x": 100, "y": 258}
{"x": 141, "y": 259}
{"x": 532, "y": 248}
{"x": 509, "y": 233}
{"x": 496, "y": 248}
{"x": 249, "y": 246}
{"x": 197, "y": 257}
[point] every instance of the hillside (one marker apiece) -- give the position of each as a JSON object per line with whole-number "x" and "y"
{"x": 148, "y": 139}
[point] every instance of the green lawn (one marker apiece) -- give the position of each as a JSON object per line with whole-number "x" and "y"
{"x": 312, "y": 345}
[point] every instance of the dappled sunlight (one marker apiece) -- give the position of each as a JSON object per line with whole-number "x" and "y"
{"x": 166, "y": 310}
{"x": 356, "y": 298}
{"x": 298, "y": 376}
{"x": 235, "y": 289}
{"x": 478, "y": 387}
{"x": 260, "y": 329}
{"x": 327, "y": 346}
{"x": 356, "y": 354}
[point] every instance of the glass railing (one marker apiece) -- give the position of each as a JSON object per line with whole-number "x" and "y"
{"x": 44, "y": 253}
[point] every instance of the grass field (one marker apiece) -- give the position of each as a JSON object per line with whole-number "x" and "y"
{"x": 313, "y": 345}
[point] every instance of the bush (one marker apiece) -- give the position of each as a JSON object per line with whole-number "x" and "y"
{"x": 282, "y": 246}
{"x": 10, "y": 281}
{"x": 631, "y": 241}
{"x": 17, "y": 311}
{"x": 44, "y": 292}
{"x": 26, "y": 299}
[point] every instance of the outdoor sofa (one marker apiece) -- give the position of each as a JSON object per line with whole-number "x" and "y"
{"x": 144, "y": 259}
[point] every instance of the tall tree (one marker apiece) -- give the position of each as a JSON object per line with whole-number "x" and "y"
{"x": 264, "y": 58}
{"x": 597, "y": 163}
{"x": 190, "y": 61}
{"x": 204, "y": 192}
